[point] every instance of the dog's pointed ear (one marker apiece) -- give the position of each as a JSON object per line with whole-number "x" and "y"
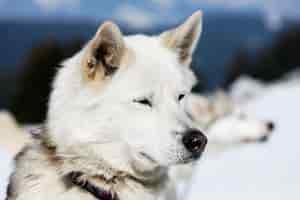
{"x": 183, "y": 39}
{"x": 104, "y": 52}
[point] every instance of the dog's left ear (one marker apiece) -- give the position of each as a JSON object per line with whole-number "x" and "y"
{"x": 104, "y": 52}
{"x": 184, "y": 38}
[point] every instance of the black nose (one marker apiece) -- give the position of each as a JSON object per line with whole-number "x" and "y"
{"x": 270, "y": 126}
{"x": 194, "y": 141}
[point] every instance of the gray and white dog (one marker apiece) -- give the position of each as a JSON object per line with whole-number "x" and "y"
{"x": 116, "y": 121}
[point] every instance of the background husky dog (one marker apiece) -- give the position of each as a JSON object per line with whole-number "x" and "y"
{"x": 116, "y": 121}
{"x": 225, "y": 122}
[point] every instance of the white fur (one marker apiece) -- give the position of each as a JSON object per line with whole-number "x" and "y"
{"x": 98, "y": 127}
{"x": 112, "y": 115}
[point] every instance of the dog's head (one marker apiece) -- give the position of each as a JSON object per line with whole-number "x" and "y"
{"x": 226, "y": 123}
{"x": 129, "y": 91}
{"x": 238, "y": 127}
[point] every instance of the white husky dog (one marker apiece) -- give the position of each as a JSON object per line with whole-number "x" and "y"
{"x": 116, "y": 121}
{"x": 225, "y": 122}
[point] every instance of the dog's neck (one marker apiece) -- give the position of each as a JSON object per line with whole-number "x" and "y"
{"x": 103, "y": 172}
{"x": 75, "y": 179}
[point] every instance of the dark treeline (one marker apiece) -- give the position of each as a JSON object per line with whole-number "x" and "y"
{"x": 29, "y": 103}
{"x": 270, "y": 63}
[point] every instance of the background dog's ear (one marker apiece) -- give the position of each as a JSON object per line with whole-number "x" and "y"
{"x": 104, "y": 52}
{"x": 184, "y": 38}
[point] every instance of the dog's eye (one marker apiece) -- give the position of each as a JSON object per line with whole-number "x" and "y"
{"x": 144, "y": 101}
{"x": 180, "y": 97}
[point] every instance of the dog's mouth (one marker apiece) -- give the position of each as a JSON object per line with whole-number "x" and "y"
{"x": 262, "y": 139}
{"x": 190, "y": 158}
{"x": 147, "y": 157}
{"x": 249, "y": 140}
{"x": 187, "y": 159}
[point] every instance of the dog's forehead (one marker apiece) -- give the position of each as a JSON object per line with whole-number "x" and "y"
{"x": 154, "y": 63}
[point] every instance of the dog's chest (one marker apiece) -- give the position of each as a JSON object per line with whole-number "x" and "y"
{"x": 37, "y": 177}
{"x": 127, "y": 190}
{"x": 117, "y": 189}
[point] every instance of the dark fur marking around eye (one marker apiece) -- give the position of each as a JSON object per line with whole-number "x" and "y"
{"x": 145, "y": 101}
{"x": 180, "y": 97}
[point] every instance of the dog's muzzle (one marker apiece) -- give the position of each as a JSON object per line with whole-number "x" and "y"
{"x": 194, "y": 141}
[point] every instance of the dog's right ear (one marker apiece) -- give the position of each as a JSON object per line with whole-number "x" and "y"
{"x": 104, "y": 52}
{"x": 183, "y": 39}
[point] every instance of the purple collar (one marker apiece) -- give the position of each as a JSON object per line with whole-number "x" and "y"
{"x": 97, "y": 192}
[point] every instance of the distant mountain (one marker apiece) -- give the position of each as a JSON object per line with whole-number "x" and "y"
{"x": 224, "y": 34}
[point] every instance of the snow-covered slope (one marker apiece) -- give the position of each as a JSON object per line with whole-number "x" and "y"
{"x": 262, "y": 171}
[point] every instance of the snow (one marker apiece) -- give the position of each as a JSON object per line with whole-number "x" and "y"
{"x": 262, "y": 171}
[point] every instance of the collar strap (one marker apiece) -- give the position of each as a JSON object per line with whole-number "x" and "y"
{"x": 97, "y": 192}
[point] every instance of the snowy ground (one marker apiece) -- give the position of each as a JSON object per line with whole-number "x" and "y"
{"x": 261, "y": 172}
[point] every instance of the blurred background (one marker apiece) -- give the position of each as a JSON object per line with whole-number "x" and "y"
{"x": 258, "y": 38}
{"x": 255, "y": 37}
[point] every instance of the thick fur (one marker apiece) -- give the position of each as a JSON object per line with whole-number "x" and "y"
{"x": 115, "y": 116}
{"x": 227, "y": 126}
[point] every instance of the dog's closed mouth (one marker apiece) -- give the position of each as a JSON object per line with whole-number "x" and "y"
{"x": 258, "y": 140}
{"x": 148, "y": 157}
{"x": 193, "y": 158}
